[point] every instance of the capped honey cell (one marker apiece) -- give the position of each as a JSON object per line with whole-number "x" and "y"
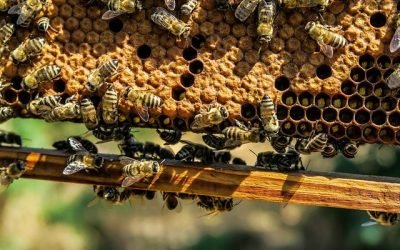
{"x": 386, "y": 134}
{"x": 384, "y": 62}
{"x": 282, "y": 83}
{"x": 289, "y": 98}
{"x": 348, "y": 87}
{"x": 353, "y": 132}
{"x": 366, "y": 61}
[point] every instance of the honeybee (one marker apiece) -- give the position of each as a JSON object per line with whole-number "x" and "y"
{"x": 320, "y": 4}
{"x": 168, "y": 21}
{"x": 349, "y": 149}
{"x": 245, "y": 9}
{"x": 69, "y": 110}
{"x": 188, "y": 7}
{"x": 216, "y": 205}
{"x": 82, "y": 159}
{"x": 238, "y": 161}
{"x": 241, "y": 134}
{"x": 215, "y": 114}
{"x": 6, "y": 113}
{"x": 6, "y": 31}
{"x": 110, "y": 106}
{"x": 142, "y": 101}
{"x": 29, "y": 48}
{"x": 170, "y": 4}
{"x": 64, "y": 145}
{"x": 12, "y": 172}
{"x": 118, "y": 7}
{"x": 330, "y": 150}
{"x": 26, "y": 11}
{"x": 171, "y": 200}
{"x": 108, "y": 193}
{"x": 89, "y": 114}
{"x": 222, "y": 157}
{"x": 196, "y": 151}
{"x": 393, "y": 81}
{"x": 289, "y": 161}
{"x": 46, "y": 73}
{"x": 266, "y": 17}
{"x": 131, "y": 147}
{"x": 44, "y": 104}
{"x": 103, "y": 71}
{"x": 395, "y": 42}
{"x": 268, "y": 115}
{"x": 170, "y": 136}
{"x": 43, "y": 24}
{"x": 186, "y": 153}
{"x": 326, "y": 37}
{"x": 382, "y": 218}
{"x": 107, "y": 133}
{"x": 280, "y": 142}
{"x": 10, "y": 138}
{"x": 314, "y": 144}
{"x": 135, "y": 170}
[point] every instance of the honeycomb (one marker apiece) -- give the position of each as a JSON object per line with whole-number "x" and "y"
{"x": 345, "y": 96}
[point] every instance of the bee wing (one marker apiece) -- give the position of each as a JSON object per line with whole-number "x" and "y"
{"x": 392, "y": 81}
{"x": 170, "y": 4}
{"x": 76, "y": 145}
{"x": 143, "y": 112}
{"x": 395, "y": 42}
{"x": 109, "y": 14}
{"x": 249, "y": 5}
{"x": 326, "y": 49}
{"x": 15, "y": 10}
{"x": 166, "y": 20}
{"x": 369, "y": 223}
{"x": 126, "y": 160}
{"x": 74, "y": 167}
{"x": 241, "y": 125}
{"x": 129, "y": 181}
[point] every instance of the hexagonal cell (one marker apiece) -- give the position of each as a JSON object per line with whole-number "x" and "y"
{"x": 304, "y": 129}
{"x": 306, "y": 99}
{"x": 16, "y": 82}
{"x": 348, "y": 87}
{"x": 377, "y": 19}
{"x": 198, "y": 41}
{"x": 281, "y": 112}
{"x": 115, "y": 25}
{"x": 366, "y": 61}
{"x": 59, "y": 86}
{"x": 337, "y": 131}
{"x": 179, "y": 124}
{"x": 381, "y": 90}
{"x": 378, "y": 117}
{"x": 355, "y": 102}
{"x": 346, "y": 115}
{"x": 196, "y": 67}
{"x": 374, "y": 75}
{"x": 329, "y": 114}
{"x": 164, "y": 121}
{"x": 394, "y": 119}
{"x": 248, "y": 111}
{"x": 296, "y": 113}
{"x": 384, "y": 62}
{"x": 323, "y": 71}
{"x": 178, "y": 93}
{"x": 371, "y": 103}
{"x": 187, "y": 79}
{"x": 289, "y": 98}
{"x": 322, "y": 100}
{"x": 9, "y": 95}
{"x": 320, "y": 128}
{"x": 339, "y": 101}
{"x": 189, "y": 53}
{"x": 282, "y": 83}
{"x": 288, "y": 128}
{"x": 362, "y": 116}
{"x": 313, "y": 113}
{"x": 386, "y": 134}
{"x": 370, "y": 134}
{"x": 143, "y": 51}
{"x": 24, "y": 97}
{"x": 388, "y": 103}
{"x": 357, "y": 74}
{"x": 353, "y": 132}
{"x": 364, "y": 89}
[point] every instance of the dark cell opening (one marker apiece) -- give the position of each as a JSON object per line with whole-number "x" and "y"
{"x": 178, "y": 93}
{"x": 144, "y": 51}
{"x": 180, "y": 124}
{"x": 348, "y": 87}
{"x": 338, "y": 101}
{"x": 357, "y": 74}
{"x": 371, "y": 103}
{"x": 289, "y": 98}
{"x": 353, "y": 132}
{"x": 381, "y": 89}
{"x": 297, "y": 113}
{"x": 24, "y": 97}
{"x": 187, "y": 80}
{"x": 384, "y": 62}
{"x": 378, "y": 117}
{"x": 394, "y": 119}
{"x": 281, "y": 112}
{"x": 329, "y": 114}
{"x": 377, "y": 20}
{"x": 196, "y": 67}
{"x": 386, "y": 134}
{"x": 322, "y": 100}
{"x": 288, "y": 128}
{"x": 355, "y": 102}
{"x": 366, "y": 61}
{"x": 374, "y": 75}
{"x": 304, "y": 129}
{"x": 115, "y": 25}
{"x": 388, "y": 103}
{"x": 362, "y": 116}
{"x": 10, "y": 95}
{"x": 198, "y": 41}
{"x": 282, "y": 83}
{"x": 306, "y": 99}
{"x": 59, "y": 86}
{"x": 321, "y": 128}
{"x": 364, "y": 89}
{"x": 164, "y": 121}
{"x": 189, "y": 54}
{"x": 323, "y": 71}
{"x": 248, "y": 111}
{"x": 16, "y": 82}
{"x": 337, "y": 131}
{"x": 346, "y": 115}
{"x": 370, "y": 133}
{"x": 313, "y": 114}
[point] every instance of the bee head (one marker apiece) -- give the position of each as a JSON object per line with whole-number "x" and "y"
{"x": 20, "y": 165}
{"x": 224, "y": 112}
{"x": 309, "y": 25}
{"x": 156, "y": 167}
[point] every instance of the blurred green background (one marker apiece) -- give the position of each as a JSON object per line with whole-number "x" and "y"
{"x": 47, "y": 215}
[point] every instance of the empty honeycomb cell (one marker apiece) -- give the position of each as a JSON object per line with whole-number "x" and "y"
{"x": 323, "y": 71}
{"x": 59, "y": 86}
{"x": 24, "y": 97}
{"x": 381, "y": 89}
{"x": 378, "y": 117}
{"x": 370, "y": 134}
{"x": 346, "y": 115}
{"x": 377, "y": 19}
{"x": 388, "y": 103}
{"x": 304, "y": 129}
{"x": 357, "y": 74}
{"x": 374, "y": 75}
{"x": 189, "y": 53}
{"x": 313, "y": 113}
{"x": 337, "y": 131}
{"x": 282, "y": 83}
{"x": 371, "y": 103}
{"x": 355, "y": 102}
{"x": 386, "y": 134}
{"x": 196, "y": 67}
{"x": 9, "y": 95}
{"x": 297, "y": 113}
{"x": 322, "y": 100}
{"x": 329, "y": 114}
{"x": 16, "y": 82}
{"x": 384, "y": 62}
{"x": 353, "y": 132}
{"x": 248, "y": 111}
{"x": 178, "y": 93}
{"x": 366, "y": 61}
{"x": 187, "y": 79}
{"x": 348, "y": 87}
{"x": 394, "y": 119}
{"x": 339, "y": 101}
{"x": 289, "y": 98}
{"x": 180, "y": 124}
{"x": 306, "y": 99}
{"x": 364, "y": 89}
{"x": 282, "y": 112}
{"x": 362, "y": 116}
{"x": 115, "y": 25}
{"x": 288, "y": 128}
{"x": 143, "y": 51}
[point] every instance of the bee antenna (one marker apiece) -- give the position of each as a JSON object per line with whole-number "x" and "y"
{"x": 253, "y": 152}
{"x": 308, "y": 164}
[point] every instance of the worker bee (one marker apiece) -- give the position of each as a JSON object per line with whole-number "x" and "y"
{"x": 393, "y": 81}
{"x": 216, "y": 113}
{"x": 289, "y": 161}
{"x": 131, "y": 147}
{"x": 29, "y": 48}
{"x": 69, "y": 110}
{"x": 382, "y": 218}
{"x": 46, "y": 73}
{"x": 170, "y": 136}
{"x": 142, "y": 101}
{"x": 314, "y": 144}
{"x": 135, "y": 170}
{"x": 280, "y": 142}
{"x": 118, "y": 7}
{"x": 170, "y": 4}
{"x": 109, "y": 106}
{"x": 168, "y": 21}
{"x": 195, "y": 151}
{"x": 82, "y": 159}
{"x": 107, "y": 133}
{"x": 98, "y": 75}
{"x": 108, "y": 193}
{"x": 320, "y": 4}
{"x": 185, "y": 196}
{"x": 215, "y": 205}
{"x": 43, "y": 24}
{"x": 266, "y": 16}
{"x": 395, "y": 42}
{"x": 330, "y": 150}
{"x": 349, "y": 149}
{"x": 242, "y": 134}
{"x": 268, "y": 115}
{"x": 12, "y": 172}
{"x": 64, "y": 145}
{"x": 45, "y": 104}
{"x": 245, "y": 9}
{"x": 186, "y": 153}
{"x": 222, "y": 157}
{"x": 6, "y": 31}
{"x": 215, "y": 141}
{"x": 188, "y": 7}
{"x": 10, "y": 138}
{"x": 326, "y": 37}
{"x": 171, "y": 201}
{"x": 26, "y": 11}
{"x": 6, "y": 113}
{"x": 89, "y": 114}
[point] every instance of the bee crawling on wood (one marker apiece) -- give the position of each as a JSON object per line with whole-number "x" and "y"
{"x": 168, "y": 21}
{"x": 171, "y": 201}
{"x": 216, "y": 113}
{"x": 289, "y": 161}
{"x": 10, "y": 138}
{"x": 215, "y": 205}
{"x": 65, "y": 145}
{"x": 111, "y": 195}
{"x": 382, "y": 218}
{"x": 11, "y": 172}
{"x": 135, "y": 171}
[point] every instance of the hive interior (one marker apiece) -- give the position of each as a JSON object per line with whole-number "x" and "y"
{"x": 345, "y": 96}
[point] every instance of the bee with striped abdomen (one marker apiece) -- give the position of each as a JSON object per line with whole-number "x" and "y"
{"x": 214, "y": 141}
{"x": 45, "y": 104}
{"x": 82, "y": 159}
{"x": 26, "y": 10}
{"x": 188, "y": 7}
{"x": 89, "y": 114}
{"x": 313, "y": 144}
{"x": 142, "y": 100}
{"x": 135, "y": 170}
{"x": 266, "y": 17}
{"x": 6, "y": 31}
{"x": 186, "y": 153}
{"x": 97, "y": 76}
{"x": 119, "y": 7}
{"x": 10, "y": 138}
{"x": 65, "y": 145}
{"x": 46, "y": 73}
{"x": 222, "y": 157}
{"x": 215, "y": 205}
{"x": 194, "y": 152}
{"x": 109, "y": 106}
{"x": 43, "y": 24}
{"x": 11, "y": 172}
{"x": 268, "y": 115}
{"x": 168, "y": 21}
{"x": 242, "y": 134}
{"x": 216, "y": 113}
{"x": 395, "y": 42}
{"x": 320, "y": 4}
{"x": 289, "y": 161}
{"x": 349, "y": 149}
{"x": 29, "y": 48}
{"x": 330, "y": 150}
{"x": 245, "y": 9}
{"x": 70, "y": 110}
{"x": 280, "y": 142}
{"x": 326, "y": 37}
{"x": 170, "y": 136}
{"x": 6, "y": 113}
{"x": 382, "y": 218}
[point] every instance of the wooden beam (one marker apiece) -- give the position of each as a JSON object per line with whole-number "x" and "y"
{"x": 243, "y": 182}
